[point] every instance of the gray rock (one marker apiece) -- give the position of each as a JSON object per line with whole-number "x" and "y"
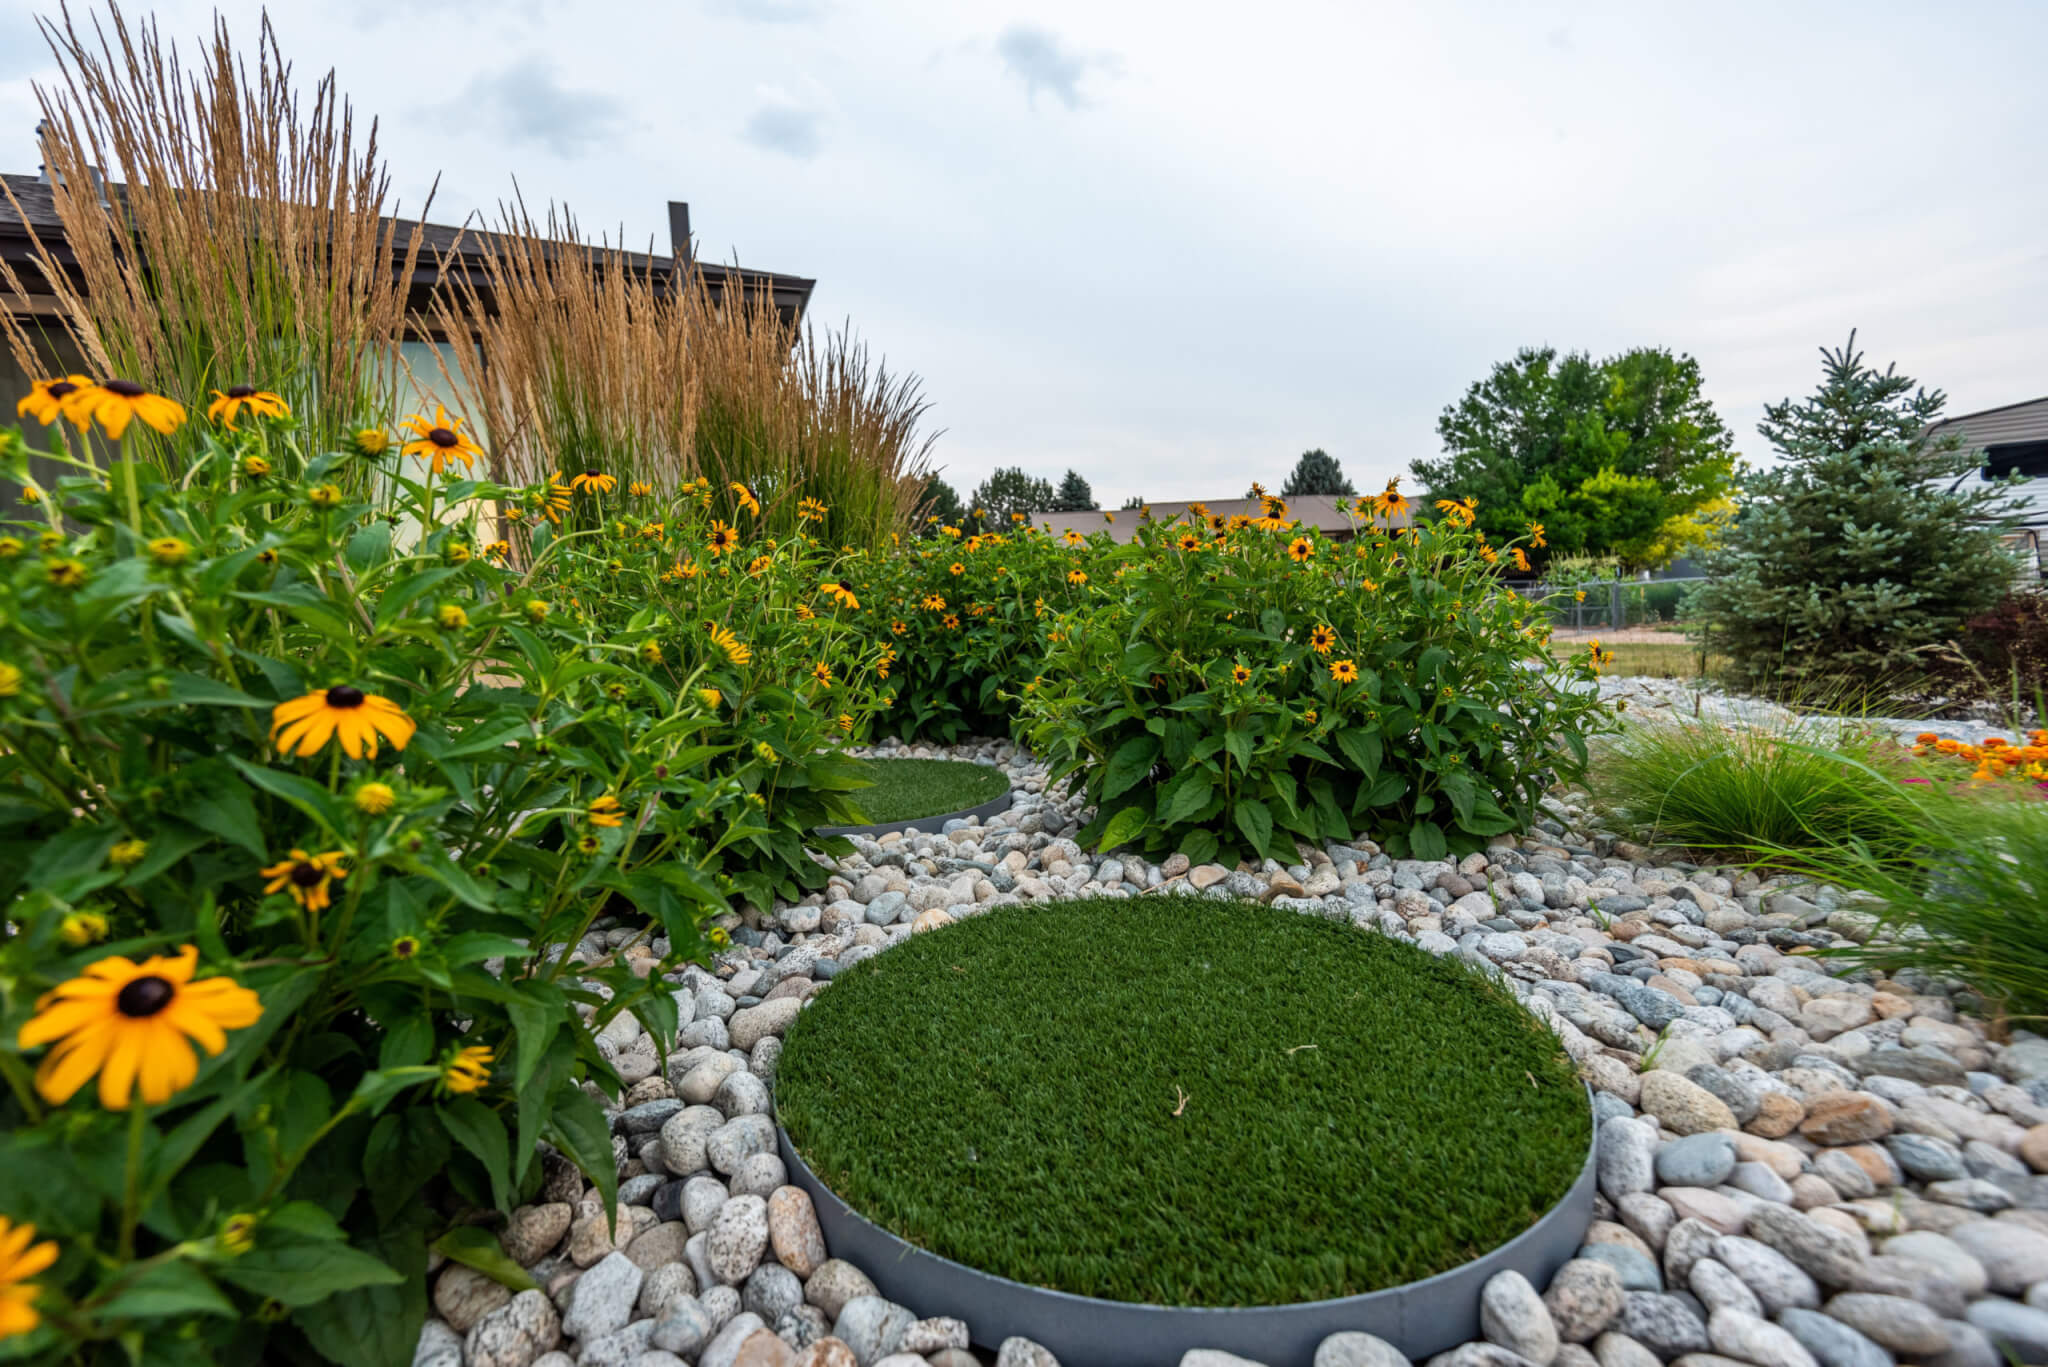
{"x": 1480, "y": 1355}
{"x": 1968, "y": 1346}
{"x": 743, "y": 1094}
{"x": 1612, "y": 1349}
{"x": 1887, "y": 1275}
{"x": 2020, "y": 1328}
{"x": 1512, "y": 1315}
{"x": 888, "y": 908}
{"x": 760, "y": 1175}
{"x": 1634, "y": 1269}
{"x": 1720, "y": 1289}
{"x": 1827, "y": 1255}
{"x": 1943, "y": 1254}
{"x": 1206, "y": 1357}
{"x": 872, "y": 1327}
{"x": 737, "y": 1238}
{"x": 931, "y": 1335}
{"x": 1747, "y": 1338}
{"x": 1737, "y": 1095}
{"x": 661, "y": 1288}
{"x": 724, "y": 1348}
{"x": 515, "y": 1333}
{"x": 1832, "y": 1343}
{"x": 737, "y": 1140}
{"x": 1664, "y": 1324}
{"x": 702, "y": 1199}
{"x": 1891, "y": 1322}
{"x": 1698, "y": 1160}
{"x": 1777, "y": 1282}
{"x": 440, "y": 1346}
{"x": 533, "y": 1231}
{"x": 683, "y": 1137}
{"x": 835, "y": 1284}
{"x": 1350, "y": 1349}
{"x": 601, "y": 1301}
{"x": 721, "y": 1303}
{"x": 1584, "y": 1297}
{"x": 752, "y": 1024}
{"x": 2014, "y": 1256}
{"x": 1626, "y": 1157}
{"x": 1688, "y": 1242}
{"x": 464, "y": 1295}
{"x": 1017, "y": 1351}
{"x": 772, "y": 1292}
{"x": 618, "y": 1348}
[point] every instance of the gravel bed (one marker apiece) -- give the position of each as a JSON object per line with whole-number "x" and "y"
{"x": 1684, "y": 700}
{"x": 1796, "y": 1169}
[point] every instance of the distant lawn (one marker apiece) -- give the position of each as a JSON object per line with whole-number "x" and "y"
{"x": 1652, "y": 659}
{"x": 1203, "y": 1105}
{"x": 909, "y": 788}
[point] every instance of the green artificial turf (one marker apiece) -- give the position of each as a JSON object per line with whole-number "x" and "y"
{"x": 909, "y": 788}
{"x": 1353, "y": 1113}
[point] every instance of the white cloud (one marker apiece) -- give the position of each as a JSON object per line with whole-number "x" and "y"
{"x": 1044, "y": 61}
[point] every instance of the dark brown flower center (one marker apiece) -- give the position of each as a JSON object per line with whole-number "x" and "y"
{"x": 242, "y": 391}
{"x": 442, "y": 437}
{"x": 344, "y": 695}
{"x": 127, "y": 389}
{"x": 59, "y": 388}
{"x": 144, "y": 997}
{"x": 308, "y": 875}
{"x": 405, "y": 948}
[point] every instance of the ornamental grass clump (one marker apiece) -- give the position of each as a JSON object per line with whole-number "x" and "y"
{"x": 1228, "y": 688}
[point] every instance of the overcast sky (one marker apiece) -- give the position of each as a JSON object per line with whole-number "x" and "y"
{"x": 1172, "y": 245}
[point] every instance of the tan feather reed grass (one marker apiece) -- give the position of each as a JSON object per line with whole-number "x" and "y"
{"x": 243, "y": 240}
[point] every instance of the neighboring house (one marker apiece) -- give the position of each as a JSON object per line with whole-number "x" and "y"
{"x": 1310, "y": 510}
{"x": 2012, "y": 440}
{"x": 446, "y": 254}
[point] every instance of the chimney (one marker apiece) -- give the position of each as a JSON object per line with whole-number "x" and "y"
{"x": 679, "y": 232}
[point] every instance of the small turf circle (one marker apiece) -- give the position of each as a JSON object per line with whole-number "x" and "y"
{"x": 906, "y": 789}
{"x": 1358, "y": 1114}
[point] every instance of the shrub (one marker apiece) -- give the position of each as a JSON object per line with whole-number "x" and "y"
{"x": 1239, "y": 688}
{"x": 2002, "y": 654}
{"x": 343, "y": 806}
{"x": 1863, "y": 552}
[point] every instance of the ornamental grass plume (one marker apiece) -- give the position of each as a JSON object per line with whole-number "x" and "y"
{"x": 134, "y": 1025}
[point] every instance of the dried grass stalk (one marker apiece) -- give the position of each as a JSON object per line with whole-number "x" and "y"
{"x": 243, "y": 240}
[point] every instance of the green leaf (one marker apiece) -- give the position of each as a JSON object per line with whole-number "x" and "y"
{"x": 479, "y": 1129}
{"x": 1123, "y": 827}
{"x": 1253, "y": 818}
{"x": 1362, "y": 748}
{"x": 377, "y": 1326}
{"x": 309, "y": 797}
{"x": 1426, "y": 841}
{"x": 172, "y": 1288}
{"x": 225, "y": 808}
{"x": 299, "y": 1271}
{"x": 1187, "y": 796}
{"x": 1199, "y": 846}
{"x": 474, "y": 1246}
{"x": 402, "y": 594}
{"x": 404, "y": 1150}
{"x": 1239, "y": 743}
{"x": 534, "y": 1025}
{"x": 369, "y": 547}
{"x": 577, "y": 1126}
{"x": 433, "y": 860}
{"x": 1130, "y": 764}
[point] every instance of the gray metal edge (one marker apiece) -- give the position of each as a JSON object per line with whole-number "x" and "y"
{"x": 1420, "y": 1318}
{"x": 995, "y": 806}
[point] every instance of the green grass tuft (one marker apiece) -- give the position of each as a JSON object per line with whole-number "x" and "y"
{"x": 1357, "y": 1114}
{"x": 909, "y": 788}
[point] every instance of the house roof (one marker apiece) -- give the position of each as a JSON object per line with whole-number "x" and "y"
{"x": 445, "y": 252}
{"x": 2014, "y": 422}
{"x": 1319, "y": 511}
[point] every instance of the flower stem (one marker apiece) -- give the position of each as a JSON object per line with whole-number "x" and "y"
{"x": 131, "y": 1181}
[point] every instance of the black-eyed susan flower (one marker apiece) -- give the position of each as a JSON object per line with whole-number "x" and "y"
{"x": 1536, "y": 535}
{"x": 934, "y": 603}
{"x": 589, "y": 845}
{"x": 710, "y": 697}
{"x": 606, "y": 811}
{"x": 30, "y": 494}
{"x": 371, "y": 442}
{"x": 48, "y": 400}
{"x": 21, "y": 1257}
{"x": 950, "y": 622}
{"x": 373, "y": 798}
{"x": 760, "y": 564}
{"x": 324, "y": 496}
{"x": 81, "y": 928}
{"x": 1073, "y": 538}
{"x": 899, "y": 626}
{"x": 723, "y": 538}
{"x": 10, "y": 680}
{"x": 1323, "y": 639}
{"x": 639, "y": 488}
{"x": 1077, "y": 577}
{"x": 1188, "y": 541}
{"x": 114, "y": 404}
{"x": 10, "y": 547}
{"x": 594, "y": 481}
{"x": 744, "y": 497}
{"x": 405, "y": 947}
{"x": 255, "y": 466}
{"x": 457, "y": 553}
{"x": 1520, "y": 558}
{"x": 498, "y": 550}
{"x": 822, "y": 672}
{"x": 536, "y": 609}
{"x": 134, "y": 1024}
{"x": 451, "y": 617}
{"x": 804, "y": 613}
{"x": 306, "y": 878}
{"x": 169, "y": 551}
{"x": 228, "y": 405}
{"x": 1344, "y": 671}
{"x": 343, "y": 713}
{"x": 49, "y": 541}
{"x": 1390, "y": 503}
{"x": 1300, "y": 549}
{"x": 126, "y": 854}
{"x": 650, "y": 652}
{"x": 65, "y": 573}
{"x": 440, "y": 440}
{"x": 467, "y": 1070}
{"x": 1240, "y": 675}
{"x": 810, "y": 510}
{"x": 735, "y": 650}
